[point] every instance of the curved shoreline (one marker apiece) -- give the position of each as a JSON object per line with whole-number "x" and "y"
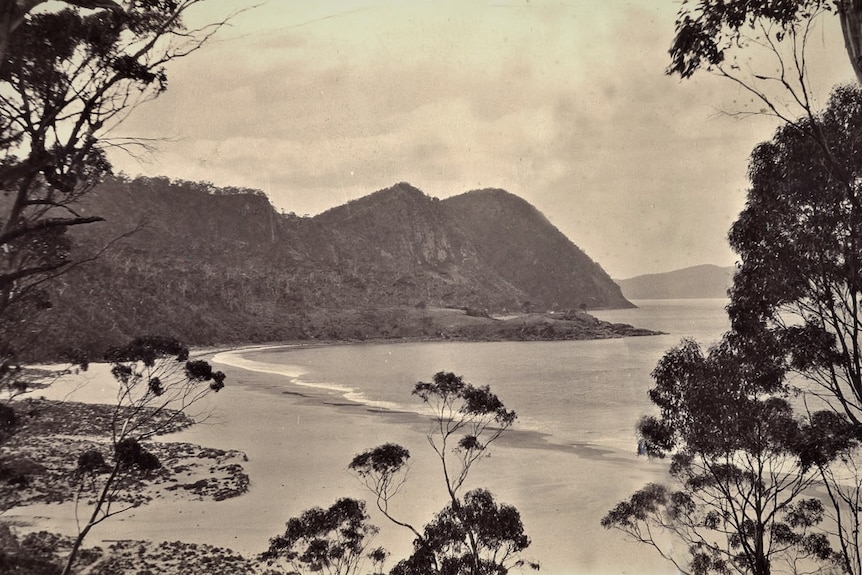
{"x": 297, "y": 458}
{"x": 419, "y": 419}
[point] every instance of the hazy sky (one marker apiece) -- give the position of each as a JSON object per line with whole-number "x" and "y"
{"x": 563, "y": 103}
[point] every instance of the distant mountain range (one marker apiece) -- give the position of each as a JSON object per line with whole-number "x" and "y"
{"x": 221, "y": 265}
{"x": 704, "y": 281}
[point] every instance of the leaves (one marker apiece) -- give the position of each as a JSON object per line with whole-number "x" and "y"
{"x": 332, "y": 539}
{"x": 480, "y": 401}
{"x": 386, "y": 459}
{"x": 132, "y": 455}
{"x": 155, "y": 385}
{"x": 201, "y": 371}
{"x": 826, "y": 437}
{"x": 798, "y": 287}
{"x": 473, "y": 534}
{"x": 735, "y": 452}
{"x": 804, "y": 247}
{"x": 706, "y": 31}
{"x": 643, "y": 503}
{"x": 444, "y": 385}
{"x": 147, "y": 350}
{"x": 497, "y": 529}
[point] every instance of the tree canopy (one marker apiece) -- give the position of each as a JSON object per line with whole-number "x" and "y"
{"x": 740, "y": 501}
{"x": 708, "y": 32}
{"x": 69, "y": 74}
{"x": 799, "y": 238}
{"x": 332, "y": 541}
{"x": 473, "y": 534}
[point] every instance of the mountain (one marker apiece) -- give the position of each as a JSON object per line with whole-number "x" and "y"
{"x": 221, "y": 266}
{"x": 523, "y": 248}
{"x": 485, "y": 248}
{"x": 704, "y": 281}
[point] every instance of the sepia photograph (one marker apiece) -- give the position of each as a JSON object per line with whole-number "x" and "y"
{"x": 430, "y": 287}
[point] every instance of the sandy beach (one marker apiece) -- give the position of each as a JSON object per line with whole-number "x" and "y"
{"x": 299, "y": 442}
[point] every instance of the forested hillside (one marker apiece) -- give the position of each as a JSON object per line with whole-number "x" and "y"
{"x": 220, "y": 265}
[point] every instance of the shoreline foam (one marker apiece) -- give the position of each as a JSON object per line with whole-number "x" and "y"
{"x": 297, "y": 459}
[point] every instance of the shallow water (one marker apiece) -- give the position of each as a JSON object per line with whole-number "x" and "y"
{"x": 580, "y": 401}
{"x": 301, "y": 413}
{"x": 575, "y": 392}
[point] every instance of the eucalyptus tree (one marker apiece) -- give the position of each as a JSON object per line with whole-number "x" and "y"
{"x": 798, "y": 286}
{"x": 156, "y": 384}
{"x": 719, "y": 37}
{"x": 796, "y": 335}
{"x": 332, "y": 541}
{"x": 794, "y": 312}
{"x": 798, "y": 238}
{"x": 473, "y": 534}
{"x": 70, "y": 72}
{"x": 763, "y": 46}
{"x": 741, "y": 464}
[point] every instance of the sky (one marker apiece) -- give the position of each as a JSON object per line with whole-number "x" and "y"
{"x": 563, "y": 103}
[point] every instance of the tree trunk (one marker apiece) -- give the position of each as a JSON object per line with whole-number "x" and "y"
{"x": 104, "y": 495}
{"x": 762, "y": 564}
{"x": 76, "y": 546}
{"x": 850, "y": 14}
{"x": 8, "y": 10}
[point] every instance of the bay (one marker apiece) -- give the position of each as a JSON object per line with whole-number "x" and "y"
{"x": 301, "y": 412}
{"x": 574, "y": 392}
{"x": 572, "y": 454}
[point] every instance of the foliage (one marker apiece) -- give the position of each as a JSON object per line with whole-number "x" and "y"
{"x": 794, "y": 303}
{"x": 332, "y": 541}
{"x": 797, "y": 290}
{"x": 707, "y": 31}
{"x": 378, "y": 466}
{"x": 805, "y": 261}
{"x": 727, "y": 38}
{"x": 69, "y": 73}
{"x": 741, "y": 503}
{"x": 497, "y": 529}
{"x": 157, "y": 385}
{"x": 473, "y": 533}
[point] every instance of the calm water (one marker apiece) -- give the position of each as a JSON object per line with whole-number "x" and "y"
{"x": 570, "y": 458}
{"x": 584, "y": 392}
